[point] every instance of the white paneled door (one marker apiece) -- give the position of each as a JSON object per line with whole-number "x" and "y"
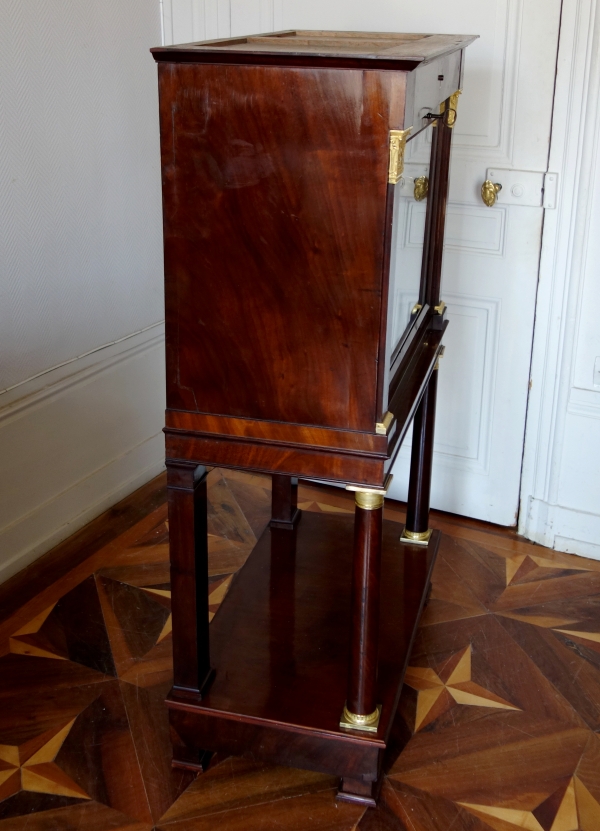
{"x": 491, "y": 255}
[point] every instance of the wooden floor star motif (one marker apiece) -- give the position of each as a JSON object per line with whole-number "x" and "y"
{"x": 215, "y": 597}
{"x": 502, "y": 697}
{"x": 27, "y": 640}
{"x": 570, "y": 808}
{"x": 589, "y": 639}
{"x": 438, "y": 692}
{"x": 31, "y": 766}
{"x": 168, "y": 626}
{"x": 526, "y": 568}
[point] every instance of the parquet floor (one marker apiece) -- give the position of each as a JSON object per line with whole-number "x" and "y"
{"x": 500, "y": 715}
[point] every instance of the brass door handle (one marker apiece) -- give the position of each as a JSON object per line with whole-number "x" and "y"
{"x": 489, "y": 192}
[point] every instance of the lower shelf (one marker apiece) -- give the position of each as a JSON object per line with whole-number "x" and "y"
{"x": 280, "y": 646}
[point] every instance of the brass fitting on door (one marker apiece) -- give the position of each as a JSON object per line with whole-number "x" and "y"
{"x": 489, "y": 192}
{"x": 421, "y": 188}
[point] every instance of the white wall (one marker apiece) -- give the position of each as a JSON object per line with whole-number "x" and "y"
{"x": 191, "y": 20}
{"x": 560, "y": 505}
{"x": 81, "y": 303}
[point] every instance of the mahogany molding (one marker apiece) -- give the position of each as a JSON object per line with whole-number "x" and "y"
{"x": 276, "y": 432}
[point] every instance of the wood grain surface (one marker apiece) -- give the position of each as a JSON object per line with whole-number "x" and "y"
{"x": 285, "y": 629}
{"x": 368, "y": 50}
{"x": 498, "y": 721}
{"x": 273, "y": 310}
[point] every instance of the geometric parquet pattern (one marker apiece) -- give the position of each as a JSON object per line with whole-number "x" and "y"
{"x": 499, "y": 720}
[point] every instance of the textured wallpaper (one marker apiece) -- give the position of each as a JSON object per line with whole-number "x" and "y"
{"x": 80, "y": 211}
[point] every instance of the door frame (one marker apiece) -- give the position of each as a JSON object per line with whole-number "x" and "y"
{"x": 573, "y": 149}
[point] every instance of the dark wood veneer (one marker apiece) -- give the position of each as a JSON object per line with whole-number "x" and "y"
{"x": 417, "y": 518}
{"x": 188, "y": 544}
{"x": 284, "y": 502}
{"x": 284, "y": 704}
{"x": 276, "y": 432}
{"x": 316, "y": 463}
{"x": 278, "y": 219}
{"x": 294, "y": 164}
{"x": 365, "y": 599}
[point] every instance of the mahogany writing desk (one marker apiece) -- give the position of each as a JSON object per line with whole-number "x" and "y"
{"x": 304, "y": 328}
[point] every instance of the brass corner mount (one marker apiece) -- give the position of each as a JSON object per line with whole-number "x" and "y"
{"x": 382, "y": 427}
{"x": 398, "y": 139}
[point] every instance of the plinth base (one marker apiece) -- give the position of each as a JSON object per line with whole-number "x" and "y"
{"x": 280, "y": 650}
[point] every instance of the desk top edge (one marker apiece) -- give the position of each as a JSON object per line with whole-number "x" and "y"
{"x": 370, "y": 47}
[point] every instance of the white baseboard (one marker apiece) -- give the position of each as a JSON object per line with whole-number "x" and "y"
{"x": 564, "y": 529}
{"x": 76, "y": 440}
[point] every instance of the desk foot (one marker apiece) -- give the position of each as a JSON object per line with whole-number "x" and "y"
{"x": 284, "y": 502}
{"x": 358, "y": 791}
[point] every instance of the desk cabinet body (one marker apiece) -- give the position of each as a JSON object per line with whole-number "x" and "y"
{"x": 304, "y": 326}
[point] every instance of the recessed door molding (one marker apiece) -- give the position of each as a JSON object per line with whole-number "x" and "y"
{"x": 556, "y": 392}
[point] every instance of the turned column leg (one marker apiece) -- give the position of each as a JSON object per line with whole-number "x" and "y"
{"x": 361, "y": 711}
{"x": 417, "y": 529}
{"x": 188, "y": 542}
{"x": 362, "y": 678}
{"x": 284, "y": 502}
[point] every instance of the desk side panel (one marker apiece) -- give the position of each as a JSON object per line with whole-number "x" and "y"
{"x": 274, "y": 185}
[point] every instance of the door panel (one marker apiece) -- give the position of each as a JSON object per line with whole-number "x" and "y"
{"x": 491, "y": 254}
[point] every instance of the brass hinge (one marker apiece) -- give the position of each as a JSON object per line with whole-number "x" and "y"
{"x": 398, "y": 140}
{"x": 451, "y": 116}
